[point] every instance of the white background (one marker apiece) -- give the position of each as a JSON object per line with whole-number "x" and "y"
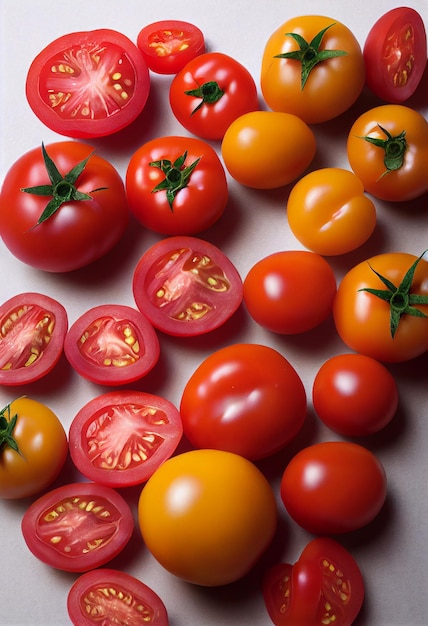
{"x": 392, "y": 551}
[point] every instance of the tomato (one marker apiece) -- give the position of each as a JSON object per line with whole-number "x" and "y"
{"x": 290, "y": 292}
{"x": 329, "y": 213}
{"x": 210, "y": 92}
{"x": 62, "y": 207}
{"x": 395, "y": 54}
{"x": 33, "y": 448}
{"x": 78, "y": 527}
{"x": 313, "y": 67}
{"x": 88, "y": 84}
{"x": 176, "y": 185}
{"x": 167, "y": 45}
{"x": 391, "y": 324}
{"x": 111, "y": 596}
{"x": 266, "y": 149}
{"x": 388, "y": 149}
{"x": 207, "y": 516}
{"x": 225, "y": 396}
{"x": 112, "y": 344}
{"x": 186, "y": 286}
{"x": 33, "y": 328}
{"x": 333, "y": 487}
{"x": 119, "y": 438}
{"x": 354, "y": 395}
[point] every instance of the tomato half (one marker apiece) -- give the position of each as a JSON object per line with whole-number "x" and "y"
{"x": 88, "y": 84}
{"x": 395, "y": 54}
{"x": 33, "y": 327}
{"x": 119, "y": 438}
{"x": 78, "y": 527}
{"x": 186, "y": 286}
{"x": 224, "y": 398}
{"x": 112, "y": 344}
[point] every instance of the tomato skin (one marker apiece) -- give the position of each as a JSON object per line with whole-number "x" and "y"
{"x": 333, "y": 85}
{"x": 267, "y": 149}
{"x": 333, "y": 487}
{"x": 329, "y": 213}
{"x": 61, "y": 79}
{"x": 225, "y": 396}
{"x": 211, "y": 119}
{"x": 207, "y": 516}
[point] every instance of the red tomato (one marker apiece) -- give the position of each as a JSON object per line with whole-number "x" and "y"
{"x": 88, "y": 84}
{"x": 168, "y": 45}
{"x": 119, "y": 438}
{"x": 186, "y": 286}
{"x": 33, "y": 328}
{"x": 112, "y": 344}
{"x": 210, "y": 92}
{"x": 224, "y": 398}
{"x": 78, "y": 527}
{"x": 290, "y": 292}
{"x": 169, "y": 179}
{"x": 62, "y": 207}
{"x": 333, "y": 487}
{"x": 395, "y": 54}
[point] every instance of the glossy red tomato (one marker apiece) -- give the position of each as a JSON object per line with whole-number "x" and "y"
{"x": 88, "y": 84}
{"x": 186, "y": 286}
{"x": 78, "y": 527}
{"x": 112, "y": 344}
{"x": 224, "y": 398}
{"x": 119, "y": 438}
{"x": 333, "y": 487}
{"x": 33, "y": 327}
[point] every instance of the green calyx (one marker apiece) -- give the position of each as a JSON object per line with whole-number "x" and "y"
{"x": 309, "y": 54}
{"x": 7, "y": 425}
{"x": 177, "y": 176}
{"x": 394, "y": 147}
{"x": 400, "y": 300}
{"x": 209, "y": 92}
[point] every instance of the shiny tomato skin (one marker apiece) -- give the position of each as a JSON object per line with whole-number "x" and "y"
{"x": 78, "y": 527}
{"x": 33, "y": 329}
{"x": 88, "y": 84}
{"x": 333, "y": 85}
{"x": 290, "y": 292}
{"x": 333, "y": 487}
{"x": 395, "y": 54}
{"x": 225, "y": 396}
{"x": 42, "y": 449}
{"x": 201, "y": 114}
{"x": 118, "y": 439}
{"x": 207, "y": 516}
{"x": 112, "y": 344}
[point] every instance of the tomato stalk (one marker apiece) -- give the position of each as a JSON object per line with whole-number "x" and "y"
{"x": 394, "y": 147}
{"x": 7, "y": 425}
{"x": 210, "y": 93}
{"x": 176, "y": 176}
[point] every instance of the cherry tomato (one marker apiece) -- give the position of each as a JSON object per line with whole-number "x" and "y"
{"x": 112, "y": 344}
{"x": 62, "y": 207}
{"x": 33, "y": 448}
{"x": 169, "y": 179}
{"x": 266, "y": 149}
{"x": 186, "y": 286}
{"x": 167, "y": 45}
{"x": 224, "y": 398}
{"x": 388, "y": 150}
{"x": 312, "y": 67}
{"x": 354, "y": 395}
{"x": 391, "y": 324}
{"x": 88, "y": 84}
{"x": 33, "y": 328}
{"x": 118, "y": 439}
{"x": 333, "y": 487}
{"x": 395, "y": 54}
{"x": 207, "y": 516}
{"x": 328, "y": 212}
{"x": 290, "y": 292}
{"x": 78, "y": 527}
{"x": 210, "y": 92}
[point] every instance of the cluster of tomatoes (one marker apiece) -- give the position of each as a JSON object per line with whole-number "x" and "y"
{"x": 245, "y": 402}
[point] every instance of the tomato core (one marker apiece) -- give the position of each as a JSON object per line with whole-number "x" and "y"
{"x": 110, "y": 341}
{"x": 398, "y": 54}
{"x": 168, "y": 41}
